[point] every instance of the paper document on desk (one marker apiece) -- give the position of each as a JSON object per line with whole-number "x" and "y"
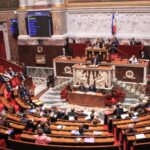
{"x": 123, "y": 116}
{"x": 80, "y": 92}
{"x": 147, "y": 128}
{"x": 71, "y": 118}
{"x": 87, "y": 118}
{"x": 89, "y": 92}
{"x": 97, "y": 132}
{"x": 89, "y": 140}
{"x": 135, "y": 118}
{"x": 59, "y": 127}
{"x": 78, "y": 139}
{"x": 75, "y": 132}
{"x": 140, "y": 136}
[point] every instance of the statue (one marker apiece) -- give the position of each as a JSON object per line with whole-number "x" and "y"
{"x": 101, "y": 79}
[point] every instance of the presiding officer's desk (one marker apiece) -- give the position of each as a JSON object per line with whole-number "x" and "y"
{"x": 127, "y": 72}
{"x": 87, "y": 99}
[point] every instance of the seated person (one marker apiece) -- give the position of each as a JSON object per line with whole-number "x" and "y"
{"x": 3, "y": 120}
{"x": 21, "y": 76}
{"x": 45, "y": 127}
{"x": 92, "y": 88}
{"x": 3, "y": 79}
{"x": 133, "y": 60}
{"x": 131, "y": 128}
{"x": 10, "y": 90}
{"x": 82, "y": 87}
{"x": 11, "y": 72}
{"x": 118, "y": 111}
{"x": 41, "y": 138}
{"x": 7, "y": 75}
{"x": 99, "y": 43}
{"x": 63, "y": 52}
{"x": 142, "y": 55}
{"x": 132, "y": 41}
{"x": 94, "y": 122}
{"x": 95, "y": 59}
{"x": 50, "y": 80}
{"x": 81, "y": 129}
{"x": 147, "y": 105}
{"x": 22, "y": 91}
{"x": 72, "y": 112}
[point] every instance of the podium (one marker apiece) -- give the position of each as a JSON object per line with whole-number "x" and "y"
{"x": 101, "y": 76}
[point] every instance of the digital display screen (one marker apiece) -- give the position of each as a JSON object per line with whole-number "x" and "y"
{"x": 14, "y": 27}
{"x": 39, "y": 24}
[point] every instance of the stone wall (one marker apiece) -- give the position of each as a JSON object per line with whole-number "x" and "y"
{"x": 5, "y": 17}
{"x": 8, "y": 4}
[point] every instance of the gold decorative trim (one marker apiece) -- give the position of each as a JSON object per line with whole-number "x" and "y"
{"x": 107, "y": 4}
{"x": 35, "y": 7}
{"x": 58, "y": 6}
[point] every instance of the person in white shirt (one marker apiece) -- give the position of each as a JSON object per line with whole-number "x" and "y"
{"x": 133, "y": 60}
{"x": 7, "y": 75}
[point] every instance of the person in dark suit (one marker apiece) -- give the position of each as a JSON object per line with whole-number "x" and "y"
{"x": 67, "y": 47}
{"x": 142, "y": 55}
{"x": 11, "y": 72}
{"x": 50, "y": 81}
{"x": 131, "y": 129}
{"x": 114, "y": 45}
{"x": 10, "y": 90}
{"x": 118, "y": 111}
{"x": 92, "y": 88}
{"x": 3, "y": 79}
{"x": 82, "y": 87}
{"x": 45, "y": 127}
{"x": 22, "y": 91}
{"x": 81, "y": 129}
{"x": 72, "y": 112}
{"x": 95, "y": 59}
{"x": 21, "y": 76}
{"x": 132, "y": 41}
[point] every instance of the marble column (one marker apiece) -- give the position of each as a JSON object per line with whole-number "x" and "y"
{"x": 22, "y": 3}
{"x": 57, "y": 2}
{"x": 59, "y": 22}
{"x": 22, "y": 22}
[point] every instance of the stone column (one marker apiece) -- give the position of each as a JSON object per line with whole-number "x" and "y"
{"x": 22, "y": 3}
{"x": 59, "y": 22}
{"x": 22, "y": 22}
{"x": 57, "y": 2}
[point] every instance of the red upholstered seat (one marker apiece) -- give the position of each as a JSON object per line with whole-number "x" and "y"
{"x": 114, "y": 56}
{"x": 13, "y": 103}
{"x": 17, "y": 137}
{"x": 7, "y": 94}
{"x": 2, "y": 143}
{"x": 64, "y": 93}
{"x": 1, "y": 107}
{"x": 2, "y": 68}
{"x": 15, "y": 81}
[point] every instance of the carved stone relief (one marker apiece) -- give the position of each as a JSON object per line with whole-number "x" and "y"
{"x": 99, "y": 24}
